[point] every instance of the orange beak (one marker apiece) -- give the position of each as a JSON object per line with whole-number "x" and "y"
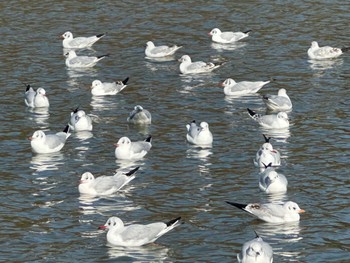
{"x": 301, "y": 211}
{"x": 30, "y": 138}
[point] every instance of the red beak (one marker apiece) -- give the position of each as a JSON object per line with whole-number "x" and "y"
{"x": 116, "y": 145}
{"x": 102, "y": 227}
{"x": 30, "y": 138}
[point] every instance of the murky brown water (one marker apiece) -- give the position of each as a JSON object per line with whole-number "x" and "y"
{"x": 42, "y": 215}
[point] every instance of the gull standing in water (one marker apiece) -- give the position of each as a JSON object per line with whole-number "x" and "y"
{"x": 104, "y": 185}
{"x": 74, "y": 61}
{"x": 279, "y": 102}
{"x": 256, "y": 251}
{"x": 99, "y": 88}
{"x": 227, "y": 37}
{"x": 199, "y": 135}
{"x": 36, "y": 99}
{"x": 318, "y": 53}
{"x": 128, "y": 150}
{"x": 42, "y": 143}
{"x": 153, "y": 51}
{"x": 139, "y": 115}
{"x": 79, "y": 42}
{"x": 136, "y": 235}
{"x": 271, "y": 121}
{"x": 189, "y": 67}
{"x": 233, "y": 88}
{"x": 271, "y": 212}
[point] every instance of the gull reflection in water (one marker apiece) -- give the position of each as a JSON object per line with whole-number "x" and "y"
{"x": 48, "y": 161}
{"x": 321, "y": 65}
{"x": 228, "y": 47}
{"x": 141, "y": 128}
{"x": 149, "y": 253}
{"x": 100, "y": 103}
{"x": 40, "y": 116}
{"x": 83, "y": 135}
{"x": 280, "y": 135}
{"x": 129, "y": 164}
{"x": 199, "y": 153}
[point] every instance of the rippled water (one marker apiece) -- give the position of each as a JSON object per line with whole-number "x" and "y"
{"x": 44, "y": 219}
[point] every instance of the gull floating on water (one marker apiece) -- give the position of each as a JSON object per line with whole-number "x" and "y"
{"x": 199, "y": 135}
{"x": 318, "y": 53}
{"x": 74, "y": 61}
{"x": 153, "y": 51}
{"x": 227, "y": 37}
{"x": 267, "y": 154}
{"x": 279, "y": 102}
{"x": 105, "y": 185}
{"x": 99, "y": 88}
{"x": 233, "y": 88}
{"x": 79, "y": 42}
{"x": 136, "y": 235}
{"x": 189, "y": 67}
{"x": 256, "y": 251}
{"x": 80, "y": 121}
{"x": 139, "y": 115}
{"x": 272, "y": 182}
{"x": 42, "y": 143}
{"x": 36, "y": 99}
{"x": 128, "y": 150}
{"x": 271, "y": 212}
{"x": 271, "y": 121}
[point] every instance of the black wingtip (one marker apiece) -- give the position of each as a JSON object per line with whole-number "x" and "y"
{"x": 125, "y": 81}
{"x": 66, "y": 129}
{"x": 27, "y": 86}
{"x": 106, "y": 55}
{"x": 148, "y": 139}
{"x": 131, "y": 172}
{"x": 100, "y": 35}
{"x": 345, "y": 49}
{"x": 171, "y": 222}
{"x": 240, "y": 206}
{"x": 246, "y": 32}
{"x": 267, "y": 139}
{"x": 251, "y": 113}
{"x": 76, "y": 109}
{"x": 256, "y": 234}
{"x": 267, "y": 166}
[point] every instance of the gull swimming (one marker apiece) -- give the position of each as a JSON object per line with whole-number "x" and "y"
{"x": 80, "y": 121}
{"x": 104, "y": 185}
{"x": 279, "y": 102}
{"x": 199, "y": 135}
{"x": 318, "y": 53}
{"x": 272, "y": 212}
{"x": 136, "y": 235}
{"x": 189, "y": 67}
{"x": 42, "y": 143}
{"x": 153, "y": 51}
{"x": 139, "y": 115}
{"x": 256, "y": 251}
{"x": 227, "y": 37}
{"x": 128, "y": 150}
{"x": 36, "y": 99}
{"x": 79, "y": 42}
{"x": 99, "y": 88}
{"x": 233, "y": 88}
{"x": 74, "y": 61}
{"x": 267, "y": 154}
{"x": 271, "y": 121}
{"x": 272, "y": 182}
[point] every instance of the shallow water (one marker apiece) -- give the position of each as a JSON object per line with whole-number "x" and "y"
{"x": 44, "y": 219}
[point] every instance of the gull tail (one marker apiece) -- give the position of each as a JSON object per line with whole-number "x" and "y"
{"x": 247, "y": 32}
{"x": 240, "y": 206}
{"x": 173, "y": 222}
{"x": 148, "y": 139}
{"x": 131, "y": 172}
{"x": 169, "y": 226}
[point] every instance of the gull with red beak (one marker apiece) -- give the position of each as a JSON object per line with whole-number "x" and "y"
{"x": 128, "y": 150}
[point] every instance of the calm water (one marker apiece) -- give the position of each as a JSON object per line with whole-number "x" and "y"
{"x": 42, "y": 216}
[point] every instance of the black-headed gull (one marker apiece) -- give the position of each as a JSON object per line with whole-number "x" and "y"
{"x": 272, "y": 182}
{"x": 272, "y": 212}
{"x": 80, "y": 121}
{"x": 74, "y": 61}
{"x": 42, "y": 143}
{"x": 279, "y": 102}
{"x": 199, "y": 135}
{"x": 153, "y": 51}
{"x": 136, "y": 235}
{"x": 189, "y": 67}
{"x": 256, "y": 251}
{"x": 271, "y": 121}
{"x": 104, "y": 185}
{"x": 128, "y": 150}
{"x": 36, "y": 99}
{"x": 99, "y": 88}
{"x": 227, "y": 37}
{"x": 233, "y": 88}
{"x": 79, "y": 42}
{"x": 318, "y": 53}
{"x": 267, "y": 154}
{"x": 139, "y": 115}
